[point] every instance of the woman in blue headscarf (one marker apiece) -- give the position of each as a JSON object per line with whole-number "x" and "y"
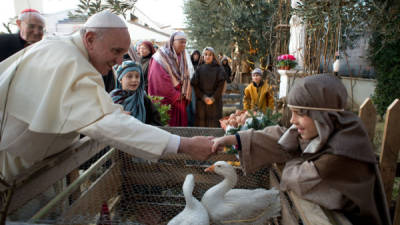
{"x": 131, "y": 95}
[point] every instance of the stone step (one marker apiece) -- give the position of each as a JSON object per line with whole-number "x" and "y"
{"x": 232, "y": 95}
{"x": 237, "y": 105}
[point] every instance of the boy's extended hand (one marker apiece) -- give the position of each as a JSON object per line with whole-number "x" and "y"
{"x": 220, "y": 142}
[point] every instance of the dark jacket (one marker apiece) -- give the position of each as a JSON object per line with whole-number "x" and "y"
{"x": 208, "y": 80}
{"x": 10, "y": 44}
{"x": 153, "y": 117}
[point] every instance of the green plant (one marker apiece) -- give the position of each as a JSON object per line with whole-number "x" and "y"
{"x": 286, "y": 60}
{"x": 163, "y": 109}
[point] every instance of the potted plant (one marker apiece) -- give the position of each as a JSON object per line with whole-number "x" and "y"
{"x": 286, "y": 62}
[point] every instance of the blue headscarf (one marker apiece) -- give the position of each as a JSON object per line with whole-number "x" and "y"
{"x": 132, "y": 101}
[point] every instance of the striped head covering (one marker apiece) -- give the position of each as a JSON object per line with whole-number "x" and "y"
{"x": 132, "y": 101}
{"x": 176, "y": 66}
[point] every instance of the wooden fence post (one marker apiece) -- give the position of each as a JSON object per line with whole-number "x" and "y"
{"x": 367, "y": 114}
{"x": 390, "y": 147}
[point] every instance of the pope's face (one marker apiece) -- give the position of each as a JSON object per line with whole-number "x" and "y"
{"x": 31, "y": 28}
{"x": 107, "y": 49}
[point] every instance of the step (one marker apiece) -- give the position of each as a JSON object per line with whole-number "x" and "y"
{"x": 232, "y": 95}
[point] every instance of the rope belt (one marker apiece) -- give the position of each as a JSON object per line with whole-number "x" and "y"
{"x": 315, "y": 108}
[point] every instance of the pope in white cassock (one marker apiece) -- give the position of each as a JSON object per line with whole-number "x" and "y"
{"x": 53, "y": 91}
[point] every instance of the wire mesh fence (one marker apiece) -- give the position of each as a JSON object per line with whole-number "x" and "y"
{"x": 119, "y": 188}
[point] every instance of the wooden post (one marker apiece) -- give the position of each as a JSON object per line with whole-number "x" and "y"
{"x": 367, "y": 114}
{"x": 390, "y": 147}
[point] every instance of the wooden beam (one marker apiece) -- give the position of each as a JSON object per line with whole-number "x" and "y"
{"x": 288, "y": 215}
{"x": 390, "y": 147}
{"x": 103, "y": 189}
{"x": 367, "y": 115}
{"x": 51, "y": 170}
{"x": 310, "y": 213}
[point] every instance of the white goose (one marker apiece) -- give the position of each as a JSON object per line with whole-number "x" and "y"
{"x": 194, "y": 212}
{"x": 238, "y": 206}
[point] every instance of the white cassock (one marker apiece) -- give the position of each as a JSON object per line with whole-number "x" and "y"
{"x": 51, "y": 94}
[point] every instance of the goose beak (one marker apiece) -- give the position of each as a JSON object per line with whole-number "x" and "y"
{"x": 210, "y": 169}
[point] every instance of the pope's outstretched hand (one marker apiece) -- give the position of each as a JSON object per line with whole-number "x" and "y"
{"x": 197, "y": 147}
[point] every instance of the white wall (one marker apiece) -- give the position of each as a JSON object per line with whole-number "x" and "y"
{"x": 362, "y": 89}
{"x": 20, "y": 5}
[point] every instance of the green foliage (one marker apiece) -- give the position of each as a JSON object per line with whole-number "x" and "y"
{"x": 331, "y": 26}
{"x": 386, "y": 61}
{"x": 257, "y": 121}
{"x": 385, "y": 52}
{"x": 87, "y": 8}
{"x": 161, "y": 108}
{"x": 224, "y": 23}
{"x": 289, "y": 63}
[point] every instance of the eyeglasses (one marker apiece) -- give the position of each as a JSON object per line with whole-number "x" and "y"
{"x": 32, "y": 26}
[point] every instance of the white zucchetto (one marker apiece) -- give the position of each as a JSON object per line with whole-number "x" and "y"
{"x": 105, "y": 19}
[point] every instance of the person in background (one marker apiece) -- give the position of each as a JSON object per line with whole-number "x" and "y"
{"x": 131, "y": 95}
{"x": 169, "y": 77}
{"x": 195, "y": 58}
{"x": 191, "y": 108}
{"x": 146, "y": 51}
{"x": 329, "y": 159}
{"x": 220, "y": 56}
{"x": 208, "y": 83}
{"x": 258, "y": 94}
{"x": 60, "y": 79}
{"x": 31, "y": 25}
{"x": 227, "y": 68}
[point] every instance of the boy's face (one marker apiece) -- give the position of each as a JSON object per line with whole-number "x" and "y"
{"x": 130, "y": 81}
{"x": 305, "y": 125}
{"x": 256, "y": 77}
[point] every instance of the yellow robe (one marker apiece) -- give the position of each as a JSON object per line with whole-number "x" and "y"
{"x": 258, "y": 99}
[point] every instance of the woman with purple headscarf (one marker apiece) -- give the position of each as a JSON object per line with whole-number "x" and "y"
{"x": 169, "y": 77}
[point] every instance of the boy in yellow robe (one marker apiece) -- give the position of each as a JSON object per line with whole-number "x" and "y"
{"x": 258, "y": 95}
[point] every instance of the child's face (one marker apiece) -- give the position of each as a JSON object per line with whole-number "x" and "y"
{"x": 305, "y": 125}
{"x": 130, "y": 81}
{"x": 208, "y": 57}
{"x": 256, "y": 78}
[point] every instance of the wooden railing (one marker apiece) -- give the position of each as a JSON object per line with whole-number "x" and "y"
{"x": 389, "y": 151}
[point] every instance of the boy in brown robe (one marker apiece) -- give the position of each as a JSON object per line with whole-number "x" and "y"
{"x": 329, "y": 158}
